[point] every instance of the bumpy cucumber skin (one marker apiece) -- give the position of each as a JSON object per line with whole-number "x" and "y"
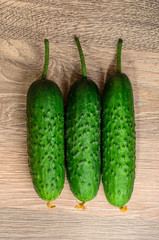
{"x": 118, "y": 140}
{"x": 45, "y": 138}
{"x": 83, "y": 123}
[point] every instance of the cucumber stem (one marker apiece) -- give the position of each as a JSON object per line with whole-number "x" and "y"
{"x": 119, "y": 55}
{"x": 124, "y": 209}
{"x": 84, "y": 71}
{"x": 50, "y": 205}
{"x": 80, "y": 206}
{"x": 46, "y": 64}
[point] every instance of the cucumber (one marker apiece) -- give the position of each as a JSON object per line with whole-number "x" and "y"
{"x": 83, "y": 137}
{"x": 118, "y": 137}
{"x": 45, "y": 135}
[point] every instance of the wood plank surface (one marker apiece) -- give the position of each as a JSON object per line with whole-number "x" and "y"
{"x": 23, "y": 26}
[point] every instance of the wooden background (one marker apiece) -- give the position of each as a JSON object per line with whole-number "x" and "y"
{"x": 99, "y": 23}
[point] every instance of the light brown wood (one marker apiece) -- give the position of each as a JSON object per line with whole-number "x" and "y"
{"x": 99, "y": 24}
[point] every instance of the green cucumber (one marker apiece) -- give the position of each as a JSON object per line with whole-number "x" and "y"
{"x": 118, "y": 137}
{"x": 83, "y": 137}
{"x": 45, "y": 135}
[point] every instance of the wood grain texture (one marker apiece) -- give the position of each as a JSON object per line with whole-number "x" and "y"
{"x": 17, "y": 222}
{"x": 99, "y": 24}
